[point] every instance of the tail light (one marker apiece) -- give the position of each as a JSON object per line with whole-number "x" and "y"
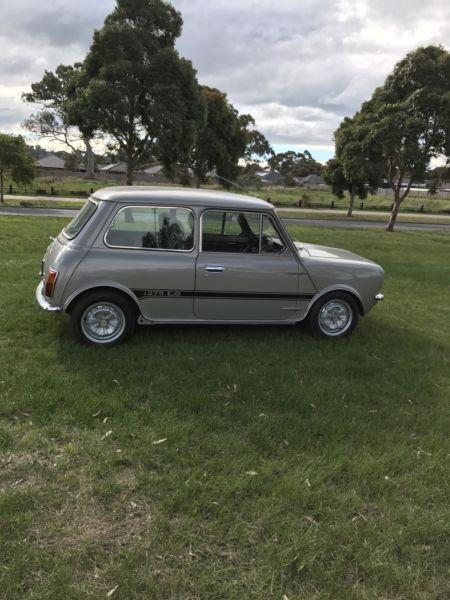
{"x": 52, "y": 276}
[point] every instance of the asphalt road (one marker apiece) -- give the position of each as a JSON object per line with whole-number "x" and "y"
{"x": 330, "y": 223}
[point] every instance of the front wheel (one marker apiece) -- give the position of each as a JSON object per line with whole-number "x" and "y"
{"x": 103, "y": 319}
{"x": 334, "y": 315}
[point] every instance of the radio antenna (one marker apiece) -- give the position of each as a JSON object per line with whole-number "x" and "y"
{"x": 226, "y": 180}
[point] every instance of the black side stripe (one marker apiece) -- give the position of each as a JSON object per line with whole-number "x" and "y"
{"x": 218, "y": 295}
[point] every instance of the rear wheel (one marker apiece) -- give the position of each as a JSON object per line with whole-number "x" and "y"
{"x": 333, "y": 315}
{"x": 103, "y": 319}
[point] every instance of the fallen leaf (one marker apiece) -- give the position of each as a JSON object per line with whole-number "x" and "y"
{"x": 252, "y": 473}
{"x": 111, "y": 592}
{"x": 156, "y": 442}
{"x": 107, "y": 434}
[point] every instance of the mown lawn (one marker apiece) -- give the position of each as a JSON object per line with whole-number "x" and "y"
{"x": 228, "y": 463}
{"x": 278, "y": 195}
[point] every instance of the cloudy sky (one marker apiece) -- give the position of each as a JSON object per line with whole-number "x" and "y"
{"x": 298, "y": 66}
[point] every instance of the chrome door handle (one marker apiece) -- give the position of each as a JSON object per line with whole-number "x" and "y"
{"x": 214, "y": 268}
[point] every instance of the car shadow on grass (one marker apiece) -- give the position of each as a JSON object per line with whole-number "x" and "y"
{"x": 171, "y": 362}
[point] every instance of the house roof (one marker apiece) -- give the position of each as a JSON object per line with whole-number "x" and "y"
{"x": 119, "y": 167}
{"x": 268, "y": 175}
{"x": 314, "y": 179}
{"x": 156, "y": 170}
{"x": 51, "y": 162}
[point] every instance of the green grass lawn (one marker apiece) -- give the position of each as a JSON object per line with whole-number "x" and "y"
{"x": 362, "y": 216}
{"x": 281, "y": 196}
{"x": 42, "y": 203}
{"x": 228, "y": 462}
{"x": 323, "y": 198}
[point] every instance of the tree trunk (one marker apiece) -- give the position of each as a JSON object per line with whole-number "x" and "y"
{"x": 350, "y": 205}
{"x": 394, "y": 212}
{"x": 130, "y": 170}
{"x": 90, "y": 159}
{"x": 1, "y": 186}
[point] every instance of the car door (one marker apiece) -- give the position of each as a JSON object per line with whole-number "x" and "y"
{"x": 245, "y": 271}
{"x": 150, "y": 250}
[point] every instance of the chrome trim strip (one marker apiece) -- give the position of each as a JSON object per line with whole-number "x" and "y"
{"x": 43, "y": 303}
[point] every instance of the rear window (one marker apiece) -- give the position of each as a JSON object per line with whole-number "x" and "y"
{"x": 78, "y": 222}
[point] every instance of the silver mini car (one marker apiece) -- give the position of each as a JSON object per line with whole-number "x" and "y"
{"x": 152, "y": 255}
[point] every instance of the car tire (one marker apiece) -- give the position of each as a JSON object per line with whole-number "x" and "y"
{"x": 103, "y": 318}
{"x": 334, "y": 315}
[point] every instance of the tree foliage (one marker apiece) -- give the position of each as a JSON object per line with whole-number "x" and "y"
{"x": 54, "y": 93}
{"x": 295, "y": 164}
{"x": 15, "y": 161}
{"x": 407, "y": 121}
{"x": 225, "y": 139}
{"x": 355, "y": 169}
{"x": 137, "y": 88}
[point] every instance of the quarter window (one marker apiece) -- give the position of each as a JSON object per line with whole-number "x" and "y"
{"x": 78, "y": 222}
{"x": 152, "y": 227}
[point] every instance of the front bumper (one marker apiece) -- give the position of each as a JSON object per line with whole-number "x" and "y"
{"x": 379, "y": 297}
{"x": 43, "y": 302}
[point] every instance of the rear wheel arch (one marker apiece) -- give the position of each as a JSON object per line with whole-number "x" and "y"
{"x": 103, "y": 316}
{"x": 107, "y": 290}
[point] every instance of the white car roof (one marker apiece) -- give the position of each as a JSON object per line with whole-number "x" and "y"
{"x": 181, "y": 196}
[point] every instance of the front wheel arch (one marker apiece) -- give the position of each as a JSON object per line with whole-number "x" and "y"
{"x": 353, "y": 304}
{"x": 351, "y": 293}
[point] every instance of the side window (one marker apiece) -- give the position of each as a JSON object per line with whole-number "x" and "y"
{"x": 226, "y": 231}
{"x": 271, "y": 242}
{"x": 152, "y": 227}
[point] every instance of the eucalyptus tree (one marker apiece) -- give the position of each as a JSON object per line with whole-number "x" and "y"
{"x": 295, "y": 164}
{"x": 54, "y": 93}
{"x": 225, "y": 139}
{"x": 137, "y": 88}
{"x": 406, "y": 123}
{"x": 334, "y": 176}
{"x": 356, "y": 169}
{"x": 15, "y": 161}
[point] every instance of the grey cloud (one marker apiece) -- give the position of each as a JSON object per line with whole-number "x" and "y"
{"x": 59, "y": 23}
{"x": 299, "y": 66}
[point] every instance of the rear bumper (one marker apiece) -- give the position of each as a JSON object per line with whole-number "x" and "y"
{"x": 43, "y": 302}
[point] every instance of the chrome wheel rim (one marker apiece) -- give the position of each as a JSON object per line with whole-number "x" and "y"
{"x": 103, "y": 322}
{"x": 335, "y": 317}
